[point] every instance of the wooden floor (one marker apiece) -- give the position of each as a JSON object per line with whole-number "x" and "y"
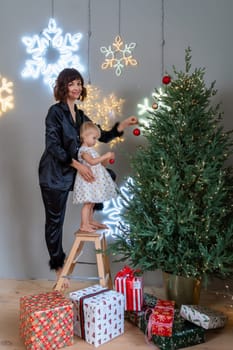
{"x": 133, "y": 338}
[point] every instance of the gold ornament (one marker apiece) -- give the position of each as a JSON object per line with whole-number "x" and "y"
{"x": 155, "y": 105}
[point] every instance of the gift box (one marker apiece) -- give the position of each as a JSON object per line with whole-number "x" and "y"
{"x": 46, "y": 321}
{"x": 130, "y": 284}
{"x": 203, "y": 316}
{"x": 137, "y": 317}
{"x": 98, "y": 314}
{"x": 184, "y": 334}
{"x": 161, "y": 318}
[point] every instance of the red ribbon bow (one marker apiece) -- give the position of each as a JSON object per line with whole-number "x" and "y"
{"x": 128, "y": 272}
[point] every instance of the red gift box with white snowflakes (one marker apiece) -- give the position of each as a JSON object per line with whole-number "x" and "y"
{"x": 129, "y": 282}
{"x": 161, "y": 319}
{"x": 46, "y": 321}
{"x": 98, "y": 314}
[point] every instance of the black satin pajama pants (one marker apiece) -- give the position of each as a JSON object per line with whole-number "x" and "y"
{"x": 55, "y": 207}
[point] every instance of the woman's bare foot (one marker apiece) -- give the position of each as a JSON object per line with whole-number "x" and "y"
{"x": 98, "y": 225}
{"x": 66, "y": 282}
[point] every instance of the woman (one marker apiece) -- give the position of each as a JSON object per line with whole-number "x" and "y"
{"x": 59, "y": 164}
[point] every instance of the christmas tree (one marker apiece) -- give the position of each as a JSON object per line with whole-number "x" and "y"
{"x": 180, "y": 219}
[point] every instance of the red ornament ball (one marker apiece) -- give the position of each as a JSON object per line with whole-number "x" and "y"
{"x": 166, "y": 79}
{"x": 112, "y": 161}
{"x": 136, "y": 132}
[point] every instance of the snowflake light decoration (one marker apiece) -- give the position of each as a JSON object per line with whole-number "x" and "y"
{"x": 157, "y": 95}
{"x": 102, "y": 110}
{"x": 50, "y": 53}
{"x": 145, "y": 108}
{"x": 113, "y": 209}
{"x": 6, "y": 97}
{"x": 118, "y": 56}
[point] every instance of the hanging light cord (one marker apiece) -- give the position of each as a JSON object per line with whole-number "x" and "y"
{"x": 119, "y": 18}
{"x": 88, "y": 43}
{"x": 52, "y": 8}
{"x": 162, "y": 38}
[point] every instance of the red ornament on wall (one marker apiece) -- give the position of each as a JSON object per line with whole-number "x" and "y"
{"x": 166, "y": 79}
{"x": 136, "y": 132}
{"x": 112, "y": 161}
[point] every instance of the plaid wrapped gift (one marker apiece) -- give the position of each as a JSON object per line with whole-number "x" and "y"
{"x": 184, "y": 334}
{"x": 130, "y": 284}
{"x": 46, "y": 321}
{"x": 98, "y": 314}
{"x": 137, "y": 317}
{"x": 203, "y": 316}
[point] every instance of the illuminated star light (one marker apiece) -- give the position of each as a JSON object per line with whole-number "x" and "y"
{"x": 6, "y": 97}
{"x": 102, "y": 110}
{"x": 50, "y": 53}
{"x": 114, "y": 208}
{"x": 118, "y": 56}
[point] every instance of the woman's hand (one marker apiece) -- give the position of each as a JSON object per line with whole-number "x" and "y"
{"x": 127, "y": 122}
{"x": 84, "y": 171}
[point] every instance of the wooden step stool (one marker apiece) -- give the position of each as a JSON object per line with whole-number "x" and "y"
{"x": 103, "y": 266}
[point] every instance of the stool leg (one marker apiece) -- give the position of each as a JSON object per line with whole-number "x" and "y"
{"x": 106, "y": 263}
{"x": 100, "y": 262}
{"x": 69, "y": 263}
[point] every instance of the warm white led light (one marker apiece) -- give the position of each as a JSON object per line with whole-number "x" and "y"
{"x": 102, "y": 110}
{"x": 50, "y": 53}
{"x": 6, "y": 95}
{"x": 118, "y": 55}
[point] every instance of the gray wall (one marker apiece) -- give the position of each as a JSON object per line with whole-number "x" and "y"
{"x": 205, "y": 25}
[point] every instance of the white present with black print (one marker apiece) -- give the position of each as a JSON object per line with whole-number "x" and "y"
{"x": 203, "y": 316}
{"x": 98, "y": 314}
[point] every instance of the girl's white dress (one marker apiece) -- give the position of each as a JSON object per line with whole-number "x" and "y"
{"x": 98, "y": 191}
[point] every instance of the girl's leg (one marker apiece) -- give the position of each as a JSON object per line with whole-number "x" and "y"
{"x": 85, "y": 218}
{"x": 94, "y": 223}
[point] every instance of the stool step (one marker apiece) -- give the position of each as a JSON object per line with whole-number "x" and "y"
{"x": 82, "y": 278}
{"x": 102, "y": 261}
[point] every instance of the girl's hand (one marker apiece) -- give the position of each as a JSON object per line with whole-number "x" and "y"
{"x": 110, "y": 155}
{"x": 127, "y": 122}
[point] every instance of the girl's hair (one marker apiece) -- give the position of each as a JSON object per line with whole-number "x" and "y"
{"x": 61, "y": 86}
{"x": 87, "y": 128}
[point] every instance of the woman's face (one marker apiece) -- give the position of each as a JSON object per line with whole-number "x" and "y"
{"x": 74, "y": 90}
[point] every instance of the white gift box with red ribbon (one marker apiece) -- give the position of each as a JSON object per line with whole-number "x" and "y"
{"x": 98, "y": 314}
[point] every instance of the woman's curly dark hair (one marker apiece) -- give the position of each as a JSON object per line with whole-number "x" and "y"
{"x": 61, "y": 86}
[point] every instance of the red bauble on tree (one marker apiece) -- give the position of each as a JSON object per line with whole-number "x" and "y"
{"x": 166, "y": 79}
{"x": 111, "y": 161}
{"x": 136, "y": 132}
